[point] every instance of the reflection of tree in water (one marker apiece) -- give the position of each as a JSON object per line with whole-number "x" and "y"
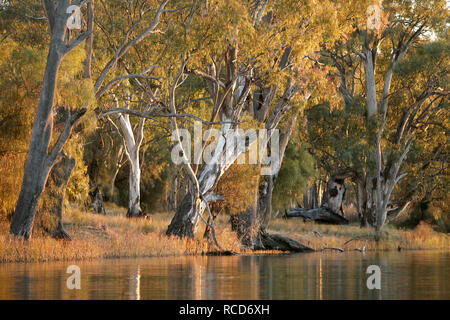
{"x": 134, "y": 292}
{"x": 405, "y": 275}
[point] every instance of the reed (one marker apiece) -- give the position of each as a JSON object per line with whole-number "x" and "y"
{"x": 115, "y": 236}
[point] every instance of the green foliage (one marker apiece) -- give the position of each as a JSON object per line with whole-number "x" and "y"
{"x": 298, "y": 166}
{"x": 338, "y": 132}
{"x": 426, "y": 68}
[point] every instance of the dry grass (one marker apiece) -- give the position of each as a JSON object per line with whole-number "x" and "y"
{"x": 108, "y": 236}
{"x": 318, "y": 235}
{"x": 115, "y": 236}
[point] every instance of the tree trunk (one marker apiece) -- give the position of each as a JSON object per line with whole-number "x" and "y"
{"x": 364, "y": 211}
{"x": 97, "y": 201}
{"x": 172, "y": 193}
{"x": 51, "y": 211}
{"x": 184, "y": 220}
{"x": 134, "y": 207}
{"x": 311, "y": 197}
{"x": 371, "y": 93}
{"x": 39, "y": 160}
{"x": 282, "y": 243}
{"x": 334, "y": 195}
{"x": 132, "y": 146}
{"x": 252, "y": 229}
{"x": 37, "y": 165}
{"x": 322, "y": 215}
{"x": 332, "y": 200}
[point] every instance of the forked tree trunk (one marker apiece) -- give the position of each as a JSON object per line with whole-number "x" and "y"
{"x": 39, "y": 159}
{"x": 379, "y": 182}
{"x": 251, "y": 226}
{"x": 186, "y": 217}
{"x": 132, "y": 146}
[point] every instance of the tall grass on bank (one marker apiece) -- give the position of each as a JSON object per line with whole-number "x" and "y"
{"x": 319, "y": 235}
{"x": 115, "y": 236}
{"x": 107, "y": 236}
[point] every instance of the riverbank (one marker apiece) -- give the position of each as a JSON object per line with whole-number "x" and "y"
{"x": 114, "y": 236}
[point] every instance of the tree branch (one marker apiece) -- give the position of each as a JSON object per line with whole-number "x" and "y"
{"x": 64, "y": 136}
{"x": 114, "y": 82}
{"x": 127, "y": 45}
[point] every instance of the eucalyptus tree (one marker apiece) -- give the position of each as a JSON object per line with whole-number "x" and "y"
{"x": 366, "y": 66}
{"x": 141, "y": 87}
{"x": 217, "y": 43}
{"x": 421, "y": 108}
{"x": 40, "y": 159}
{"x": 268, "y": 69}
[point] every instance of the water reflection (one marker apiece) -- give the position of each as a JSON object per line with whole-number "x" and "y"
{"x": 135, "y": 284}
{"x": 405, "y": 275}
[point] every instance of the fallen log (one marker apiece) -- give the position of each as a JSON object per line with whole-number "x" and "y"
{"x": 261, "y": 240}
{"x": 332, "y": 248}
{"x": 281, "y": 243}
{"x": 321, "y": 215}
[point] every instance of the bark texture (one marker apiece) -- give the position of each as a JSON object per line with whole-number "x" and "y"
{"x": 39, "y": 159}
{"x": 332, "y": 200}
{"x": 52, "y": 208}
{"x": 97, "y": 201}
{"x": 256, "y": 238}
{"x": 322, "y": 215}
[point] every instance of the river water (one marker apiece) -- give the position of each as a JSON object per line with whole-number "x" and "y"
{"x": 330, "y": 275}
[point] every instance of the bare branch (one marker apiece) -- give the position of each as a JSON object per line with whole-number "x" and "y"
{"x": 116, "y": 81}
{"x": 122, "y": 50}
{"x": 64, "y": 136}
{"x": 49, "y": 8}
{"x": 151, "y": 115}
{"x": 77, "y": 41}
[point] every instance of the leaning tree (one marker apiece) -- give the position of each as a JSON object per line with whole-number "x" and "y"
{"x": 41, "y": 158}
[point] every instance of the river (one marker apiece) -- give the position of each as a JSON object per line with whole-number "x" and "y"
{"x": 326, "y": 275}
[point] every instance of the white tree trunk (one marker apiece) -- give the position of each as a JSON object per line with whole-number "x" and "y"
{"x": 134, "y": 208}
{"x": 185, "y": 220}
{"x": 132, "y": 147}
